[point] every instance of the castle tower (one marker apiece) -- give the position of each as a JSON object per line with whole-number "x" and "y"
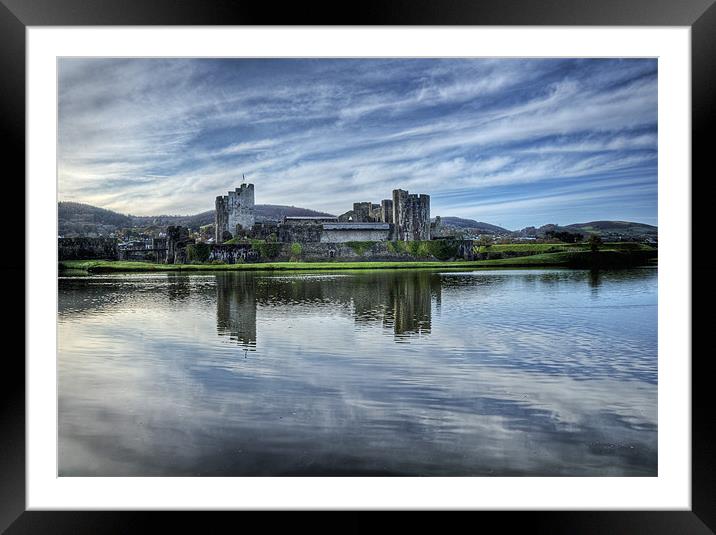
{"x": 361, "y": 212}
{"x": 400, "y": 213}
{"x": 411, "y": 215}
{"x": 421, "y": 225}
{"x": 386, "y": 211}
{"x": 221, "y": 219}
{"x": 236, "y": 208}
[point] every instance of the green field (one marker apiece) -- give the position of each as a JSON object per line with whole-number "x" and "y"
{"x": 569, "y": 259}
{"x": 539, "y": 248}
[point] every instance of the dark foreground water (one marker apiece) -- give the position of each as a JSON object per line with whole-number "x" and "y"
{"x": 482, "y": 373}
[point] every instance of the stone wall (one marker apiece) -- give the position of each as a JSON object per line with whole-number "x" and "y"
{"x": 335, "y": 234}
{"x": 365, "y": 251}
{"x": 349, "y": 251}
{"x": 466, "y": 249}
{"x": 143, "y": 255}
{"x": 264, "y": 230}
{"x": 232, "y": 254}
{"x": 300, "y": 233}
{"x": 324, "y": 232}
{"x": 87, "y": 249}
{"x": 177, "y": 240}
{"x": 386, "y": 211}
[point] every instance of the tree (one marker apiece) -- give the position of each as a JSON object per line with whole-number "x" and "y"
{"x": 296, "y": 250}
{"x": 484, "y": 241}
{"x": 595, "y": 242}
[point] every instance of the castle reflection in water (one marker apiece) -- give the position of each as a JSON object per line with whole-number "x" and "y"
{"x": 400, "y": 301}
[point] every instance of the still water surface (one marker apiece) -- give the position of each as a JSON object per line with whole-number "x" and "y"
{"x": 480, "y": 373}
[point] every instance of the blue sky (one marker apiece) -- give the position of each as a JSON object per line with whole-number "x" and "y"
{"x": 513, "y": 142}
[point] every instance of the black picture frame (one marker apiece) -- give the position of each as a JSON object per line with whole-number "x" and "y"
{"x": 699, "y": 15}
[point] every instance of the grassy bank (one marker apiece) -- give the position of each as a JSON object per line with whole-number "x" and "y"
{"x": 567, "y": 259}
{"x": 541, "y": 248}
{"x": 106, "y": 266}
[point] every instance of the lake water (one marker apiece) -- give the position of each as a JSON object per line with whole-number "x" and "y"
{"x": 425, "y": 373}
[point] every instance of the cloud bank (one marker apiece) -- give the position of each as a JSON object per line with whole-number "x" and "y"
{"x": 514, "y": 142}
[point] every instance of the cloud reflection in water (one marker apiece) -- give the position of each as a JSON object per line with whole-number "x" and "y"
{"x": 499, "y": 373}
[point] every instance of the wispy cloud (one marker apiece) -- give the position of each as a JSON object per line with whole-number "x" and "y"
{"x": 146, "y": 136}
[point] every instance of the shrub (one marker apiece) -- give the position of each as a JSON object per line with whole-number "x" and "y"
{"x": 441, "y": 249}
{"x": 412, "y": 247}
{"x": 595, "y": 242}
{"x": 360, "y": 247}
{"x": 268, "y": 250}
{"x": 197, "y": 252}
{"x": 396, "y": 247}
{"x": 296, "y": 249}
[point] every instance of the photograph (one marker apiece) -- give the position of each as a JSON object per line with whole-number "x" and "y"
{"x": 357, "y": 266}
{"x": 405, "y": 259}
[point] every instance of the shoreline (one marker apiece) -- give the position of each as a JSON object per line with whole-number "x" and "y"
{"x": 571, "y": 260}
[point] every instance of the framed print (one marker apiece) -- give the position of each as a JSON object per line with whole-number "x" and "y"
{"x": 406, "y": 261}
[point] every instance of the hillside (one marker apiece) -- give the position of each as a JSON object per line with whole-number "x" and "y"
{"x": 76, "y": 218}
{"x": 276, "y": 212}
{"x": 608, "y": 230}
{"x": 460, "y": 223}
{"x": 615, "y": 227}
{"x": 84, "y": 219}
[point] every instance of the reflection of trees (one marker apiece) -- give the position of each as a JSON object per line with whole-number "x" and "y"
{"x": 594, "y": 280}
{"x": 236, "y": 307}
{"x": 83, "y": 295}
{"x": 179, "y": 287}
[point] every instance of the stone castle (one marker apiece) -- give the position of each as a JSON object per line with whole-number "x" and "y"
{"x": 405, "y": 217}
{"x": 236, "y": 208}
{"x": 397, "y": 229}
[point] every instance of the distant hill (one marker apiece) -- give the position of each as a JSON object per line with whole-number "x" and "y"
{"x": 614, "y": 227}
{"x": 470, "y": 224}
{"x": 76, "y": 218}
{"x": 191, "y": 221}
{"x": 608, "y": 230}
{"x": 84, "y": 219}
{"x": 263, "y": 212}
{"x": 276, "y": 212}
